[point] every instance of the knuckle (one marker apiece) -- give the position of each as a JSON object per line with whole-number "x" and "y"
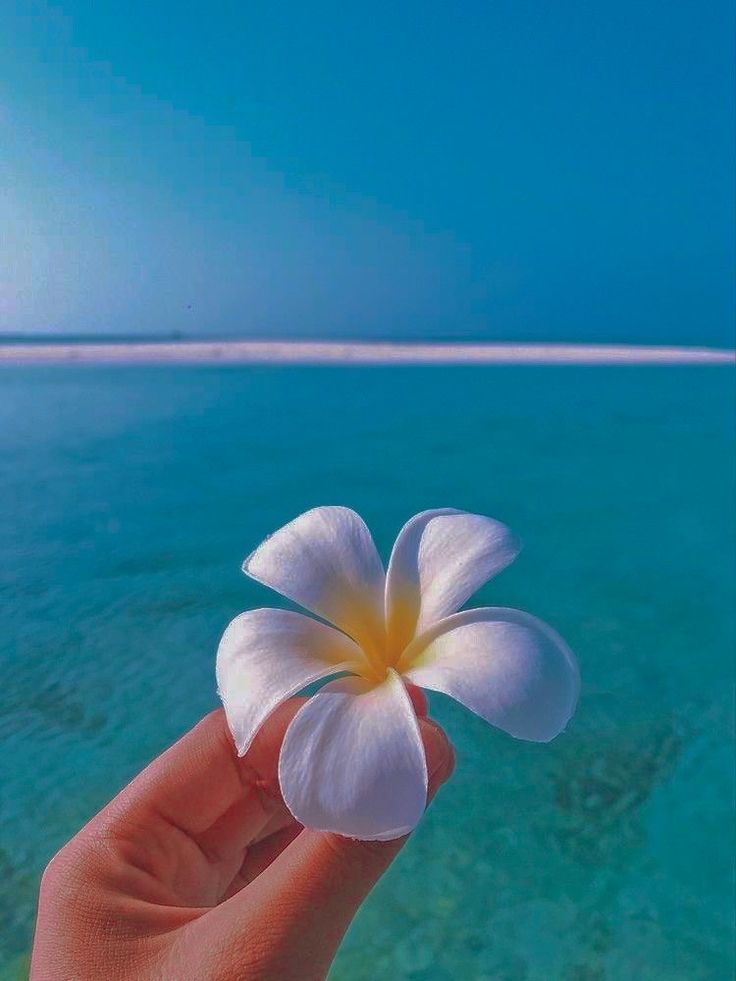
{"x": 70, "y": 867}
{"x": 56, "y": 872}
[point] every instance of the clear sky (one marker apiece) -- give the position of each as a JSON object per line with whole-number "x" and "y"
{"x": 500, "y": 170}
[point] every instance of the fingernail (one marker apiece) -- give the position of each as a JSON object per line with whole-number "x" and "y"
{"x": 439, "y": 753}
{"x": 418, "y": 700}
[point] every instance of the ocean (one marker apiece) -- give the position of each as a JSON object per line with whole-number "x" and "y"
{"x": 129, "y": 497}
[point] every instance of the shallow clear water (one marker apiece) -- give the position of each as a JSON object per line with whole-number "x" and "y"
{"x": 128, "y": 498}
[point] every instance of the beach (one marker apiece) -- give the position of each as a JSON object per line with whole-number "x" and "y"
{"x": 354, "y": 352}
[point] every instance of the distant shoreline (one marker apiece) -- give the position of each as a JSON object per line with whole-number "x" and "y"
{"x": 354, "y": 352}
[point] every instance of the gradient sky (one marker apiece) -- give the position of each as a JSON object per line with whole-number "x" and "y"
{"x": 500, "y": 170}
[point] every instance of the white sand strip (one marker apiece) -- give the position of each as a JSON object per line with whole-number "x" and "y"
{"x": 354, "y": 352}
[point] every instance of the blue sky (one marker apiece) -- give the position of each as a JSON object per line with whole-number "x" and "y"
{"x": 505, "y": 170}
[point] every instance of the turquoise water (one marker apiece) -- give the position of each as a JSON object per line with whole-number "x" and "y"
{"x": 128, "y": 498}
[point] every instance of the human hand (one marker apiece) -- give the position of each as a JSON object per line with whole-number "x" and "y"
{"x": 197, "y": 871}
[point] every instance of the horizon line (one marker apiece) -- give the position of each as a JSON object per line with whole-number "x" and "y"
{"x": 356, "y": 352}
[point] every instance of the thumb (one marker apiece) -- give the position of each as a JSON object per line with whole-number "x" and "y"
{"x": 315, "y": 887}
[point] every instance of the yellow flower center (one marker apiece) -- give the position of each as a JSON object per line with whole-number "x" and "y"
{"x": 383, "y": 646}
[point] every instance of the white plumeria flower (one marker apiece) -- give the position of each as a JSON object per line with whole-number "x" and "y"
{"x": 352, "y": 760}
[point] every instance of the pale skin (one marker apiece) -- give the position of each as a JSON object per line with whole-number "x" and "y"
{"x": 196, "y": 871}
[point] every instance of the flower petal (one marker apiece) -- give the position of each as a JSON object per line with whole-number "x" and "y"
{"x": 439, "y": 560}
{"x": 507, "y": 666}
{"x": 352, "y": 761}
{"x": 266, "y": 656}
{"x": 325, "y": 560}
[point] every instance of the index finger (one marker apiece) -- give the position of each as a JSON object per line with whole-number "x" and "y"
{"x": 200, "y": 778}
